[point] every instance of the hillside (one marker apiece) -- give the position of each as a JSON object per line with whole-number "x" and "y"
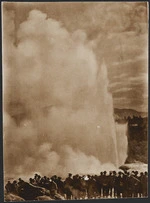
{"x": 122, "y": 113}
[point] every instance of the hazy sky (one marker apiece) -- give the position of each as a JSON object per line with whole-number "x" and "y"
{"x": 117, "y": 32}
{"x": 59, "y": 59}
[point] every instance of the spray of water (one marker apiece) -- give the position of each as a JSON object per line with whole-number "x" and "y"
{"x": 58, "y": 113}
{"x": 122, "y": 142}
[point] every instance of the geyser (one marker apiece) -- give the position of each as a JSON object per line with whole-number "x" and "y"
{"x": 122, "y": 142}
{"x": 58, "y": 113}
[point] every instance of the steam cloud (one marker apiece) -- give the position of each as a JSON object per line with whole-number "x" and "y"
{"x": 58, "y": 114}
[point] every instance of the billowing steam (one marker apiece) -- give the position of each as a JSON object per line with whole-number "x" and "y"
{"x": 58, "y": 114}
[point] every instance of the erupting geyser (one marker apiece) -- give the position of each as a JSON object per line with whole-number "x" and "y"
{"x": 58, "y": 113}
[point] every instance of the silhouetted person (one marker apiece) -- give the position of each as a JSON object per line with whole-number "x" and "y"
{"x": 14, "y": 187}
{"x": 60, "y": 185}
{"x": 67, "y": 183}
{"x": 140, "y": 185}
{"x": 53, "y": 188}
{"x": 8, "y": 187}
{"x": 119, "y": 184}
{"x": 145, "y": 184}
{"x": 100, "y": 181}
{"x": 105, "y": 181}
{"x": 111, "y": 181}
{"x": 125, "y": 185}
{"x": 136, "y": 183}
{"x": 69, "y": 179}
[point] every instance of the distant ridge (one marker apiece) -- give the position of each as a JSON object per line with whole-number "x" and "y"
{"x": 121, "y": 113}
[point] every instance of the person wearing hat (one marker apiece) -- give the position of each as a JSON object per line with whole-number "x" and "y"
{"x": 119, "y": 184}
{"x": 69, "y": 180}
{"x": 52, "y": 187}
{"x": 105, "y": 182}
{"x": 100, "y": 179}
{"x": 111, "y": 183}
{"x": 76, "y": 181}
{"x": 136, "y": 183}
{"x": 8, "y": 187}
{"x": 67, "y": 183}
{"x": 20, "y": 182}
{"x": 35, "y": 177}
{"x": 114, "y": 183}
{"x": 91, "y": 189}
{"x": 125, "y": 184}
{"x": 144, "y": 182}
{"x": 146, "y": 174}
{"x": 129, "y": 183}
{"x": 31, "y": 181}
{"x": 15, "y": 187}
{"x": 140, "y": 187}
{"x": 60, "y": 185}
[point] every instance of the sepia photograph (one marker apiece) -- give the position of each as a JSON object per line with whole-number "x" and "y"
{"x": 75, "y": 100}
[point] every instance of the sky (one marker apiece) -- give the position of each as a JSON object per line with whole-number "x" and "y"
{"x": 117, "y": 32}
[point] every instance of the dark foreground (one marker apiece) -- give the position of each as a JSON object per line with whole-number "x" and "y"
{"x": 112, "y": 185}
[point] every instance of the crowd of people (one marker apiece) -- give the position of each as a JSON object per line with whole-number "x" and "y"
{"x": 106, "y": 185}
